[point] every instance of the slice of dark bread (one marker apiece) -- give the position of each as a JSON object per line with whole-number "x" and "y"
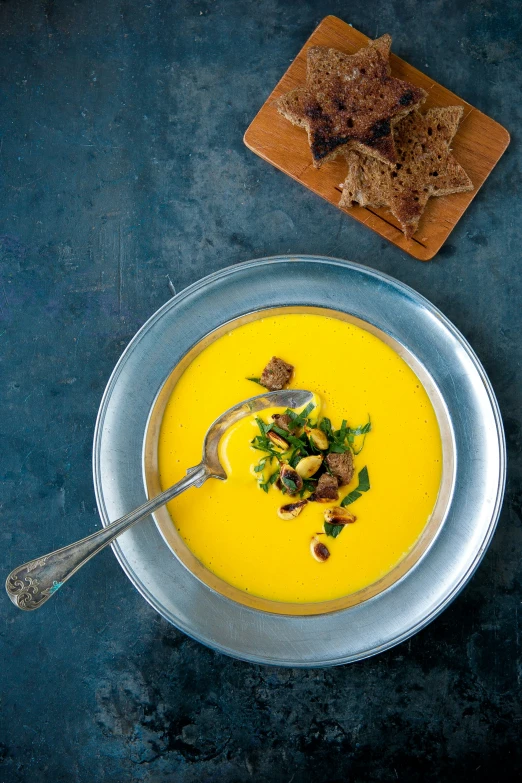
{"x": 425, "y": 168}
{"x": 350, "y": 102}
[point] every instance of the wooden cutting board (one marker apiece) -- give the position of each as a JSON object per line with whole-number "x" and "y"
{"x": 478, "y": 146}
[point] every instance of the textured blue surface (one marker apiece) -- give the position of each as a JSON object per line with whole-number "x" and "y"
{"x": 122, "y": 162}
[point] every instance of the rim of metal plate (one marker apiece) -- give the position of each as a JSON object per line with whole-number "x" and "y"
{"x": 391, "y": 616}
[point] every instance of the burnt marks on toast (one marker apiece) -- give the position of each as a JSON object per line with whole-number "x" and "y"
{"x": 350, "y": 102}
{"x": 407, "y": 98}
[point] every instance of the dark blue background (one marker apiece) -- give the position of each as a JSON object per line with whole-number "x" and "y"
{"x": 122, "y": 162}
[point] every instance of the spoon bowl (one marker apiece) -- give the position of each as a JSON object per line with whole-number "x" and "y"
{"x": 286, "y": 398}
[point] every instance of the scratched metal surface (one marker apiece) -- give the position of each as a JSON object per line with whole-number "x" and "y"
{"x": 122, "y": 162}
{"x": 474, "y": 462}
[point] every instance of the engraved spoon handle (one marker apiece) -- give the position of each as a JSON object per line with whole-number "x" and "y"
{"x": 32, "y": 584}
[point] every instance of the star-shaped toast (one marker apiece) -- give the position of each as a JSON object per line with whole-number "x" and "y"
{"x": 350, "y": 102}
{"x": 425, "y": 168}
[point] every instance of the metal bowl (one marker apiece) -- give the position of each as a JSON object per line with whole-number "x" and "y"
{"x": 447, "y": 554}
{"x": 181, "y": 550}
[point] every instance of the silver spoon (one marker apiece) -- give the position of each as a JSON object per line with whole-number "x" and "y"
{"x": 32, "y": 584}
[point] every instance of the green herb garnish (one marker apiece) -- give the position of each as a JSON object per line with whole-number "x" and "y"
{"x": 338, "y": 448}
{"x": 364, "y": 430}
{"x": 332, "y": 530}
{"x": 262, "y": 463}
{"x": 363, "y": 486}
{"x": 308, "y": 486}
{"x": 297, "y": 443}
{"x": 326, "y": 427}
{"x": 289, "y": 484}
{"x": 338, "y": 438}
{"x": 265, "y": 486}
{"x": 299, "y": 419}
{"x": 262, "y": 443}
{"x": 255, "y": 380}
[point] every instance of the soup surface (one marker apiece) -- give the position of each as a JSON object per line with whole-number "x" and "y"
{"x": 232, "y": 526}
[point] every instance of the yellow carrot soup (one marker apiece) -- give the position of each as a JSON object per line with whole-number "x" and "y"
{"x": 233, "y": 527}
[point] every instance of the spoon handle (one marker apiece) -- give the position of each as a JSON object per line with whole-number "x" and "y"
{"x": 32, "y": 584}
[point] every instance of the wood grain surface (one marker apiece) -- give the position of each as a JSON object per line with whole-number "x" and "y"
{"x": 478, "y": 146}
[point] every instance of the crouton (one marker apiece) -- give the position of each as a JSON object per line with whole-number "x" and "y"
{"x": 326, "y": 489}
{"x": 276, "y": 374}
{"x": 341, "y": 466}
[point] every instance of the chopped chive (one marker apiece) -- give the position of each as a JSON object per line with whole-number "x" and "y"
{"x": 306, "y": 412}
{"x": 338, "y": 448}
{"x": 326, "y": 427}
{"x": 363, "y": 486}
{"x": 262, "y": 426}
{"x": 279, "y": 431}
{"x": 364, "y": 480}
{"x": 299, "y": 419}
{"x": 265, "y": 486}
{"x": 289, "y": 484}
{"x": 332, "y": 530}
{"x": 363, "y": 430}
{"x": 273, "y": 477}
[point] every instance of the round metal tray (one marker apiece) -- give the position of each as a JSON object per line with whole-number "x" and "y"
{"x": 477, "y": 453}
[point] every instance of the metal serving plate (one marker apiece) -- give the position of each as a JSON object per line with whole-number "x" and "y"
{"x": 469, "y": 502}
